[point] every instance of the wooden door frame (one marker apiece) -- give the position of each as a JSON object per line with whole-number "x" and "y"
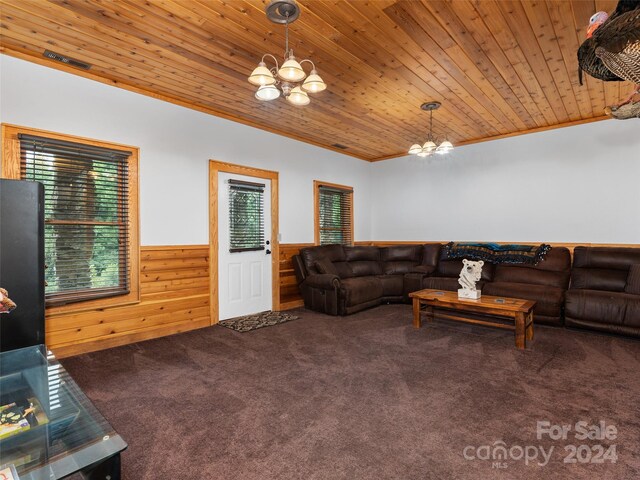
{"x": 216, "y": 167}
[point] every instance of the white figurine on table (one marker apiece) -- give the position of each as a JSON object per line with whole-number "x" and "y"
{"x": 469, "y": 275}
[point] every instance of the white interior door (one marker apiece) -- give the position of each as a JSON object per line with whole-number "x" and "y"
{"x": 244, "y": 277}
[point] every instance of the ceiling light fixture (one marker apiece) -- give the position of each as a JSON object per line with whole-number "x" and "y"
{"x": 288, "y": 80}
{"x": 430, "y": 147}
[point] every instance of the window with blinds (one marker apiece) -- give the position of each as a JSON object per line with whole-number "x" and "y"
{"x": 87, "y": 230}
{"x": 335, "y": 214}
{"x": 246, "y": 216}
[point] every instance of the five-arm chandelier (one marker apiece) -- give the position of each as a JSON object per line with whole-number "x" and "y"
{"x": 289, "y": 79}
{"x": 430, "y": 147}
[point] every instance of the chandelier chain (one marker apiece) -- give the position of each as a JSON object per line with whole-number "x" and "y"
{"x": 286, "y": 36}
{"x": 431, "y": 125}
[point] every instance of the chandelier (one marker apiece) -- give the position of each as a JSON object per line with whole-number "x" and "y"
{"x": 288, "y": 79}
{"x": 430, "y": 147}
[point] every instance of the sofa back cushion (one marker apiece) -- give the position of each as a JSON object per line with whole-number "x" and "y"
{"x": 399, "y": 259}
{"x": 431, "y": 254}
{"x": 401, "y": 253}
{"x": 332, "y": 253}
{"x": 363, "y": 260}
{"x": 602, "y": 268}
{"x": 553, "y": 270}
{"x": 324, "y": 265}
{"x": 633, "y": 280}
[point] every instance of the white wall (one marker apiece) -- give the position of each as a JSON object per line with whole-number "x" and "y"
{"x": 175, "y": 146}
{"x": 574, "y": 184}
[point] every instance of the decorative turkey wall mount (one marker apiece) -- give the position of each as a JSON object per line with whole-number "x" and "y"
{"x": 611, "y": 53}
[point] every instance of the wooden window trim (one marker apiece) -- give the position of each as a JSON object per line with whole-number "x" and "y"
{"x": 11, "y": 170}
{"x": 316, "y": 207}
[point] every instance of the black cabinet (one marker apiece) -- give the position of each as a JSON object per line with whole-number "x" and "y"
{"x": 22, "y": 262}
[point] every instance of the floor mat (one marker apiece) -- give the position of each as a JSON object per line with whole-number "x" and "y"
{"x": 258, "y": 320}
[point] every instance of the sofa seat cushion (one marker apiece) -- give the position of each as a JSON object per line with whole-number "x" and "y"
{"x": 392, "y": 285}
{"x": 359, "y": 290}
{"x": 548, "y": 299}
{"x": 612, "y": 308}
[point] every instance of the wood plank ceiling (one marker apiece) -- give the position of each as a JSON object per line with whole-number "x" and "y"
{"x": 498, "y": 67}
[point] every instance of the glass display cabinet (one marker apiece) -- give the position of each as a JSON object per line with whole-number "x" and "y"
{"x": 48, "y": 428}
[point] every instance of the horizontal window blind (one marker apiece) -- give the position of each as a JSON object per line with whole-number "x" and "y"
{"x": 86, "y": 216}
{"x": 334, "y": 216}
{"x": 246, "y": 216}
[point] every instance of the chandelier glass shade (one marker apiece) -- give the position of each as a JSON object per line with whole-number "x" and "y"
{"x": 289, "y": 79}
{"x": 267, "y": 92}
{"x": 430, "y": 146}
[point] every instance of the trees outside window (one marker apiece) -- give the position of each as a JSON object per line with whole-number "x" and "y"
{"x": 333, "y": 213}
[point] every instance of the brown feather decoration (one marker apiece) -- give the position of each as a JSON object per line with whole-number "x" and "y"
{"x": 613, "y": 41}
{"x": 618, "y": 46}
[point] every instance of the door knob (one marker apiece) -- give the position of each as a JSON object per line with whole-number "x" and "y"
{"x": 268, "y": 252}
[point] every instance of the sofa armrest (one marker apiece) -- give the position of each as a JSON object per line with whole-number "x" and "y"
{"x": 325, "y": 281}
{"x": 424, "y": 269}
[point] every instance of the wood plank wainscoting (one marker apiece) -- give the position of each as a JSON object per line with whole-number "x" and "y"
{"x": 289, "y": 293}
{"x": 174, "y": 297}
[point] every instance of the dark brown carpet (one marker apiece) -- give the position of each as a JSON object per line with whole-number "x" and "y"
{"x": 362, "y": 397}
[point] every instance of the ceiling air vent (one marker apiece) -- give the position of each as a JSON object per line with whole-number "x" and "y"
{"x": 337, "y": 145}
{"x": 69, "y": 61}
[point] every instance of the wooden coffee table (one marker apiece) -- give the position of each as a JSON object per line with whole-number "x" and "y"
{"x": 520, "y": 310}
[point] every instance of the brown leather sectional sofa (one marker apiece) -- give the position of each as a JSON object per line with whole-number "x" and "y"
{"x": 597, "y": 292}
{"x": 340, "y": 280}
